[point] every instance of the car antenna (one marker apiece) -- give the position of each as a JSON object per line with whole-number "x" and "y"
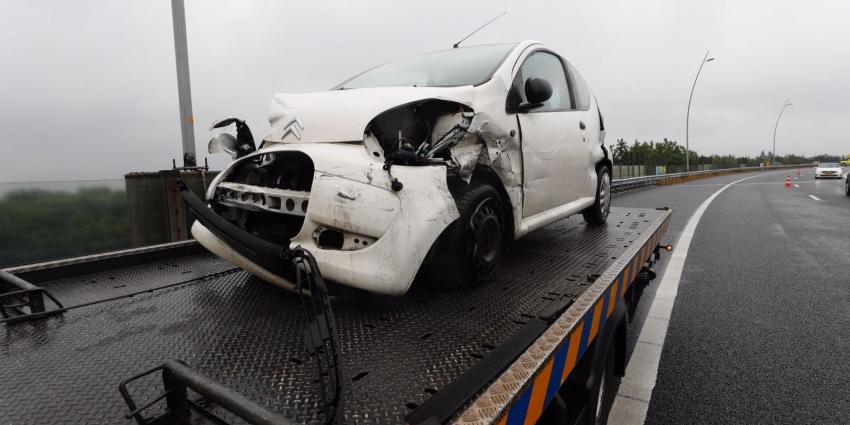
{"x": 479, "y": 29}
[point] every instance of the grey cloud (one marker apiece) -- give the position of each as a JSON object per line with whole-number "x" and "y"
{"x": 87, "y": 88}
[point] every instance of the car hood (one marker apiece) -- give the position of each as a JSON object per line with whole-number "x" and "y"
{"x": 342, "y": 115}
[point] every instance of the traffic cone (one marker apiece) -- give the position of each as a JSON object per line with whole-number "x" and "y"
{"x": 798, "y": 172}
{"x": 788, "y": 182}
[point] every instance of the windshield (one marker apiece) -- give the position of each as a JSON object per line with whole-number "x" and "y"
{"x": 464, "y": 66}
{"x": 828, "y": 165}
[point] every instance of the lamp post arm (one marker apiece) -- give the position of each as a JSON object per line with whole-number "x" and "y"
{"x": 775, "y": 127}
{"x": 688, "y": 116}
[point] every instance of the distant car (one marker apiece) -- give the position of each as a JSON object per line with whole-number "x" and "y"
{"x": 828, "y": 170}
{"x": 432, "y": 162}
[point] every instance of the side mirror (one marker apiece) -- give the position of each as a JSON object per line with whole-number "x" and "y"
{"x": 537, "y": 90}
{"x": 240, "y": 145}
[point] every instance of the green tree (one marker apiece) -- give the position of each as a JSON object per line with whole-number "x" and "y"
{"x": 38, "y": 225}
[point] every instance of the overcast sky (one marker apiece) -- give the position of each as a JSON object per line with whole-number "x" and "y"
{"x": 88, "y": 87}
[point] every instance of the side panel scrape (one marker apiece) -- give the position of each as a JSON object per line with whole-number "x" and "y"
{"x": 492, "y": 143}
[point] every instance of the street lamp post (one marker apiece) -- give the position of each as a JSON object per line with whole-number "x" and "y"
{"x": 773, "y": 154}
{"x": 184, "y": 91}
{"x": 688, "y": 116}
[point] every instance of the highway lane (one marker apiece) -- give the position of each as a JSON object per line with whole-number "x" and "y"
{"x": 759, "y": 330}
{"x": 683, "y": 199}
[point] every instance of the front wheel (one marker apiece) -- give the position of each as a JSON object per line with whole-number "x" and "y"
{"x": 470, "y": 248}
{"x": 597, "y": 213}
{"x": 847, "y": 186}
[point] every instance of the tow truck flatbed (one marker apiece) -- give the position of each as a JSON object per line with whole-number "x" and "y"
{"x": 127, "y": 312}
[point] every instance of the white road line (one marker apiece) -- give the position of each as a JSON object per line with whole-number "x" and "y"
{"x": 814, "y": 197}
{"x": 632, "y": 400}
{"x": 797, "y": 186}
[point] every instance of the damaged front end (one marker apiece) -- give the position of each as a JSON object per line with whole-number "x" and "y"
{"x": 369, "y": 211}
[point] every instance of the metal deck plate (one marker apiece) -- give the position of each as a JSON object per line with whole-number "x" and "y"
{"x": 248, "y": 334}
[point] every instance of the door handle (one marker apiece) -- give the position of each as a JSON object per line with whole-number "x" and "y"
{"x": 581, "y": 125}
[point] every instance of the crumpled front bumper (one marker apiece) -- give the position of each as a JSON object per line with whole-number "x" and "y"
{"x": 401, "y": 225}
{"x": 234, "y": 244}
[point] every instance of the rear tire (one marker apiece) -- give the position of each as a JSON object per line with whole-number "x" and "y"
{"x": 470, "y": 249}
{"x": 597, "y": 213}
{"x": 606, "y": 392}
{"x": 847, "y": 186}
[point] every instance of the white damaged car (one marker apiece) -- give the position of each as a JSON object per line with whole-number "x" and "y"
{"x": 425, "y": 166}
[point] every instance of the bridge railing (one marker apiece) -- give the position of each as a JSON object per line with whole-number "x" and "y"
{"x": 622, "y": 185}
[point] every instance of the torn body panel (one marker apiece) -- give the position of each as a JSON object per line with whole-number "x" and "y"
{"x": 493, "y": 142}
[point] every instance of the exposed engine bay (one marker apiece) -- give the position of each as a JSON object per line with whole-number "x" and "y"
{"x": 421, "y": 132}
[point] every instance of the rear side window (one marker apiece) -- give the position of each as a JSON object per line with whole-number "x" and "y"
{"x": 550, "y": 67}
{"x": 580, "y": 89}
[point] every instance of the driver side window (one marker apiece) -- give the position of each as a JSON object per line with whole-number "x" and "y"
{"x": 542, "y": 65}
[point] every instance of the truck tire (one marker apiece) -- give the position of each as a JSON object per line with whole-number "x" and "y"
{"x": 597, "y": 213}
{"x": 847, "y": 186}
{"x": 606, "y": 392}
{"x": 469, "y": 250}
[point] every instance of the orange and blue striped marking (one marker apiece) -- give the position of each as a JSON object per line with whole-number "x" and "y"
{"x": 526, "y": 409}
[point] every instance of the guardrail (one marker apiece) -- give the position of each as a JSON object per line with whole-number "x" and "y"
{"x": 622, "y": 185}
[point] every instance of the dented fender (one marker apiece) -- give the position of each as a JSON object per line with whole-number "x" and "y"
{"x": 408, "y": 225}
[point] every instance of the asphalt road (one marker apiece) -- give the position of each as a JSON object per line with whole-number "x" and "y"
{"x": 760, "y": 330}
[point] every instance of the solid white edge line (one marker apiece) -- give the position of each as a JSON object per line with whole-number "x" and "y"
{"x": 632, "y": 401}
{"x": 814, "y": 197}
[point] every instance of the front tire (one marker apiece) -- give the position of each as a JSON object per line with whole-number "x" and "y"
{"x": 470, "y": 249}
{"x": 847, "y": 186}
{"x": 597, "y": 213}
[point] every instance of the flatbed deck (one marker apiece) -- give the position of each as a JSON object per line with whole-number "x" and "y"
{"x": 397, "y": 352}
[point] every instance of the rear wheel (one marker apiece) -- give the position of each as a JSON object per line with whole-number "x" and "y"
{"x": 847, "y": 186}
{"x": 606, "y": 392}
{"x": 470, "y": 248}
{"x": 597, "y": 213}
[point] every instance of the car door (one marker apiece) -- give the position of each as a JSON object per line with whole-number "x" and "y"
{"x": 554, "y": 169}
{"x": 590, "y": 123}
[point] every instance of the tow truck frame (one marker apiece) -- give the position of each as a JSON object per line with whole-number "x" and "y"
{"x": 529, "y": 347}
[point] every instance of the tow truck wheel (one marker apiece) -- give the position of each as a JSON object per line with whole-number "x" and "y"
{"x": 597, "y": 213}
{"x": 606, "y": 391}
{"x": 470, "y": 249}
